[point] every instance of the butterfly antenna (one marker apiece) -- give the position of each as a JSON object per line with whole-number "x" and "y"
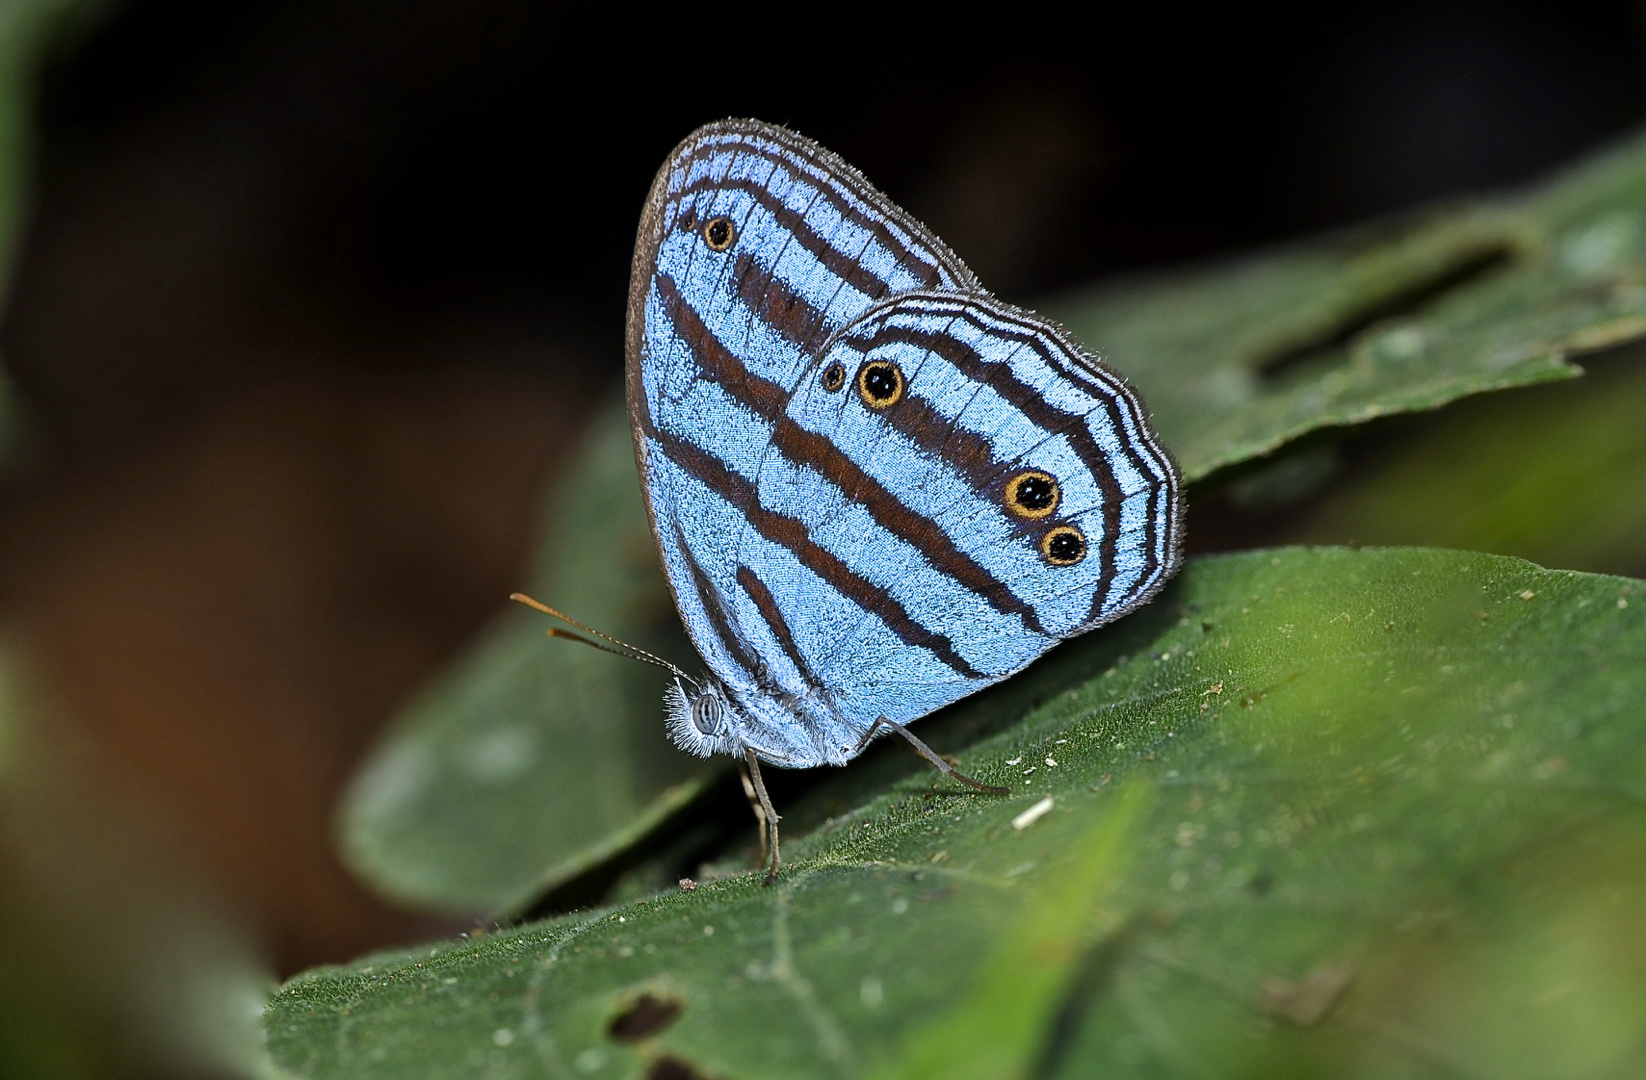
{"x": 556, "y": 632}
{"x": 632, "y": 652}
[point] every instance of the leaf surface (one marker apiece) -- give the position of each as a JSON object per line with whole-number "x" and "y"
{"x": 1315, "y": 812}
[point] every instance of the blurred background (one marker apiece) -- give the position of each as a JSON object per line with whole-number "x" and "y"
{"x": 309, "y": 299}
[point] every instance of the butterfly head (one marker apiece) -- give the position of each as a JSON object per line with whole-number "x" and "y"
{"x": 700, "y": 717}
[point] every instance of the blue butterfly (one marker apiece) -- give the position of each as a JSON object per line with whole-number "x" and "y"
{"x": 875, "y": 488}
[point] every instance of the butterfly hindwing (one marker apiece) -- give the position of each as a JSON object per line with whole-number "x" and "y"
{"x": 909, "y": 482}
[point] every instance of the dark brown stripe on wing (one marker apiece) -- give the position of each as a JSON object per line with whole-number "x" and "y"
{"x": 1144, "y": 455}
{"x": 841, "y": 264}
{"x": 804, "y": 447}
{"x": 1147, "y": 457}
{"x": 1112, "y": 394}
{"x": 926, "y": 264}
{"x": 968, "y": 453}
{"x": 788, "y": 313}
{"x": 789, "y": 533}
{"x": 815, "y": 451}
{"x": 777, "y": 305}
{"x": 709, "y": 599}
{"x": 714, "y": 361}
{"x": 766, "y": 604}
{"x": 1107, "y": 395}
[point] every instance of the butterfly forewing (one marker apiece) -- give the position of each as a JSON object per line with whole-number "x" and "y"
{"x": 718, "y": 338}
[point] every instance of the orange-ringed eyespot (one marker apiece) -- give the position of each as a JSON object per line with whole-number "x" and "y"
{"x": 834, "y": 377}
{"x": 879, "y": 383}
{"x": 1063, "y": 546}
{"x": 1032, "y": 494}
{"x": 719, "y": 232}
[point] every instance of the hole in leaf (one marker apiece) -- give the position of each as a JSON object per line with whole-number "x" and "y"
{"x": 647, "y": 1016}
{"x": 668, "y": 1068}
{"x": 1412, "y": 296}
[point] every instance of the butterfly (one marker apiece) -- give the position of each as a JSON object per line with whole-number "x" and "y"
{"x": 875, "y": 488}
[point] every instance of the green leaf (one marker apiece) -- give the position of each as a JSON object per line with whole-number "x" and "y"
{"x": 1314, "y": 812}
{"x": 531, "y": 759}
{"x": 1239, "y": 359}
{"x": 1010, "y": 999}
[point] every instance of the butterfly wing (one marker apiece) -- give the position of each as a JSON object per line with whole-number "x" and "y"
{"x": 723, "y": 323}
{"x": 921, "y": 567}
{"x": 841, "y": 555}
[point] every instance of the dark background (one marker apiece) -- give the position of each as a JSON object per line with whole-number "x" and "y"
{"x": 316, "y": 294}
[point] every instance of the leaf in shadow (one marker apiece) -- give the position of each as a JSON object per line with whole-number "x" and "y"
{"x": 1237, "y": 360}
{"x": 530, "y": 760}
{"x": 1553, "y": 475}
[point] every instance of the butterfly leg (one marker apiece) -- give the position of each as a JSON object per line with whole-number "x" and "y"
{"x": 766, "y": 808}
{"x": 759, "y": 811}
{"x": 930, "y": 755}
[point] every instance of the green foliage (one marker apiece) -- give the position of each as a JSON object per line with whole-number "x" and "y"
{"x": 1314, "y": 812}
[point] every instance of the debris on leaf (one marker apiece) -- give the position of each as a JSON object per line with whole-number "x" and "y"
{"x": 1033, "y": 814}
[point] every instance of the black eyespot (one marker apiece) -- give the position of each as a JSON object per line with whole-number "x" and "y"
{"x": 879, "y": 383}
{"x": 1063, "y": 546}
{"x": 834, "y": 377}
{"x": 719, "y": 233}
{"x": 1032, "y": 494}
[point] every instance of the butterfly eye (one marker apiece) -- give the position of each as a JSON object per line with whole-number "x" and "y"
{"x": 719, "y": 233}
{"x": 706, "y": 715}
{"x": 1032, "y": 494}
{"x": 879, "y": 383}
{"x": 1063, "y": 546}
{"x": 834, "y": 377}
